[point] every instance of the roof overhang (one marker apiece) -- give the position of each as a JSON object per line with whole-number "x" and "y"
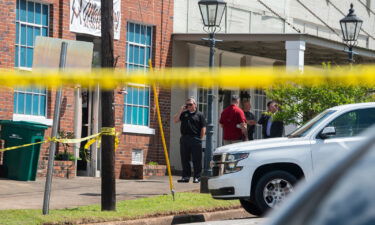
{"x": 318, "y": 49}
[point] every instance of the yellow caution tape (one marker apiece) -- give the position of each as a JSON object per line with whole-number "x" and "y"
{"x": 22, "y": 146}
{"x": 110, "y": 131}
{"x": 92, "y": 138}
{"x": 249, "y": 77}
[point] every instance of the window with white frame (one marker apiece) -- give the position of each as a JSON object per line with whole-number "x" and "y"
{"x": 30, "y": 101}
{"x": 203, "y": 101}
{"x": 138, "y": 53}
{"x": 137, "y": 105}
{"x": 32, "y": 19}
{"x": 138, "y": 46}
{"x": 137, "y": 156}
{"x": 259, "y": 106}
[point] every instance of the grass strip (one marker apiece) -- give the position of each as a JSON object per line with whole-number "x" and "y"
{"x": 126, "y": 210}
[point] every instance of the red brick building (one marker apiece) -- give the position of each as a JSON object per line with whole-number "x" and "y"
{"x": 143, "y": 31}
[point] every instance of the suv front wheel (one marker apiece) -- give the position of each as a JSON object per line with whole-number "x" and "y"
{"x": 250, "y": 207}
{"x": 272, "y": 188}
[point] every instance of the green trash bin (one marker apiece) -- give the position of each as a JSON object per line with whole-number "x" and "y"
{"x": 22, "y": 163}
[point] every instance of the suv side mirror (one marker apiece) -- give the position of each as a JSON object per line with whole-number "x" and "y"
{"x": 327, "y": 131}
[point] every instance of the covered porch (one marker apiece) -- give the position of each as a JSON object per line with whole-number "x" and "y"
{"x": 239, "y": 50}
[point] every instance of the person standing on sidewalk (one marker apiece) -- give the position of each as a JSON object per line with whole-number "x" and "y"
{"x": 250, "y": 120}
{"x": 233, "y": 121}
{"x": 193, "y": 129}
{"x": 271, "y": 128}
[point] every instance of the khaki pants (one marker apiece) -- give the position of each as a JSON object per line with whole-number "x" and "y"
{"x": 228, "y": 142}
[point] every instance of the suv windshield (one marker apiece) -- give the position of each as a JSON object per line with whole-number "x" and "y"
{"x": 302, "y": 131}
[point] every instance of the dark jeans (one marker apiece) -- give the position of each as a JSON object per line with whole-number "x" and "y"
{"x": 191, "y": 148}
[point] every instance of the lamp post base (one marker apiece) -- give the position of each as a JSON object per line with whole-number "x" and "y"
{"x": 204, "y": 184}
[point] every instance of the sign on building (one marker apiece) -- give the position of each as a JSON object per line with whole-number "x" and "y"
{"x": 85, "y": 17}
{"x": 47, "y": 53}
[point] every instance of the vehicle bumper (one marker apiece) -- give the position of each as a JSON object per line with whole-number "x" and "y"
{"x": 231, "y": 186}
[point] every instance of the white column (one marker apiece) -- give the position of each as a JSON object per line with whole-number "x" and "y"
{"x": 295, "y": 60}
{"x": 295, "y": 55}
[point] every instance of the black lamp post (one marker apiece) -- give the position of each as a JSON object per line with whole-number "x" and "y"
{"x": 350, "y": 27}
{"x": 212, "y": 12}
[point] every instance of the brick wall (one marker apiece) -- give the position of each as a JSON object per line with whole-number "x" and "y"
{"x": 159, "y": 14}
{"x": 62, "y": 169}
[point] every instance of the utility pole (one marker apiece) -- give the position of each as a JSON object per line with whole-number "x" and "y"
{"x": 108, "y": 142}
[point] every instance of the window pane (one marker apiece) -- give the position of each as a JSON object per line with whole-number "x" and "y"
{"x": 345, "y": 124}
{"x": 16, "y": 57}
{"x": 38, "y": 13}
{"x": 30, "y": 53}
{"x": 137, "y": 31}
{"x": 36, "y": 33}
{"x": 134, "y": 115}
{"x": 30, "y": 12}
{"x": 23, "y": 10}
{"x": 15, "y": 95}
{"x": 142, "y": 60}
{"x": 147, "y": 97}
{"x": 28, "y": 104}
{"x": 23, "y": 56}
{"x": 45, "y": 32}
{"x": 30, "y": 36}
{"x": 136, "y": 54}
{"x": 143, "y": 35}
{"x": 140, "y": 116}
{"x": 131, "y": 54}
{"x": 128, "y": 114}
{"x": 17, "y": 33}
{"x": 21, "y": 103}
{"x": 42, "y": 105}
{"x": 141, "y": 96}
{"x": 45, "y": 15}
{"x": 18, "y": 10}
{"x": 145, "y": 113}
{"x": 149, "y": 34}
{"x": 35, "y": 109}
{"x": 366, "y": 118}
{"x": 135, "y": 96}
{"x": 130, "y": 34}
{"x": 23, "y": 34}
{"x": 129, "y": 96}
{"x": 148, "y": 54}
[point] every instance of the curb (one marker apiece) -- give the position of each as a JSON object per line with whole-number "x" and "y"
{"x": 181, "y": 219}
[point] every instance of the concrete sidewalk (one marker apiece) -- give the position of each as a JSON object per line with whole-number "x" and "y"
{"x": 68, "y": 193}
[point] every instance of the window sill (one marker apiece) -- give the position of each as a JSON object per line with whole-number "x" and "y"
{"x": 135, "y": 129}
{"x": 30, "y": 118}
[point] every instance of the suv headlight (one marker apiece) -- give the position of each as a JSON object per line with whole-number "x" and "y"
{"x": 231, "y": 161}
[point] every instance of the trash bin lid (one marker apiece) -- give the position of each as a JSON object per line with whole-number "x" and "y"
{"x": 28, "y": 124}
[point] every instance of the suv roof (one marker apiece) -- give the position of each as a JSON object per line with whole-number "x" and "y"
{"x": 354, "y": 106}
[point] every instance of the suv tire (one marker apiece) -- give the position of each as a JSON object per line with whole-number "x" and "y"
{"x": 272, "y": 188}
{"x": 250, "y": 207}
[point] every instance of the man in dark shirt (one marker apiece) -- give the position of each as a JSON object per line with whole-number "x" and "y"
{"x": 233, "y": 121}
{"x": 250, "y": 120}
{"x": 193, "y": 129}
{"x": 270, "y": 128}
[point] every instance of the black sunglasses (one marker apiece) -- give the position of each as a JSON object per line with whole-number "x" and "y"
{"x": 189, "y": 104}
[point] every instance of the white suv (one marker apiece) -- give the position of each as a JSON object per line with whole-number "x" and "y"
{"x": 261, "y": 173}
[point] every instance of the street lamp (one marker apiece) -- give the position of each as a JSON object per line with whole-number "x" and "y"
{"x": 212, "y": 12}
{"x": 350, "y": 27}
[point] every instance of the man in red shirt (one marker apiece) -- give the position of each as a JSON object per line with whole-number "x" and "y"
{"x": 233, "y": 121}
